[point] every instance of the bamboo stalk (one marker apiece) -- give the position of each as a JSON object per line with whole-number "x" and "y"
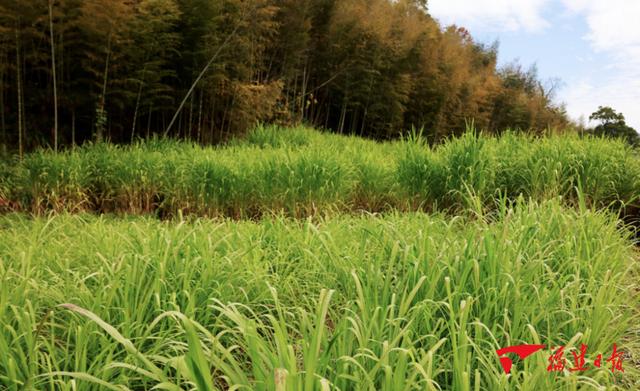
{"x": 55, "y": 85}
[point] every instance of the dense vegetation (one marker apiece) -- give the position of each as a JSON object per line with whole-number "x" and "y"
{"x": 305, "y": 172}
{"x": 405, "y": 302}
{"x": 76, "y": 70}
{"x": 520, "y": 248}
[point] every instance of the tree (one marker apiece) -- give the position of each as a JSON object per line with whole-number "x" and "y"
{"x": 607, "y": 116}
{"x": 215, "y": 68}
{"x": 525, "y": 103}
{"x": 613, "y": 124}
{"x": 18, "y": 18}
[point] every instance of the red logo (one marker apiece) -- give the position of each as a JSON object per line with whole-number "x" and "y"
{"x": 557, "y": 361}
{"x": 523, "y": 351}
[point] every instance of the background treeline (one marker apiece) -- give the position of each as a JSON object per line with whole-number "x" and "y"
{"x": 76, "y": 70}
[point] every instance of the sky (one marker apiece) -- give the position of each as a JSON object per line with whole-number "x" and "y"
{"x": 592, "y": 46}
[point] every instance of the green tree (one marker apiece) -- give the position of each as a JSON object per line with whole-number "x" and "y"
{"x": 612, "y": 124}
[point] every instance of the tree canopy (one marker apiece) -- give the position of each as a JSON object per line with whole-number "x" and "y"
{"x": 612, "y": 124}
{"x": 369, "y": 67}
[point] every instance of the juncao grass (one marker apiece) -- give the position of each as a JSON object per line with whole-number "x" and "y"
{"x": 302, "y": 172}
{"x": 408, "y": 301}
{"x": 320, "y": 269}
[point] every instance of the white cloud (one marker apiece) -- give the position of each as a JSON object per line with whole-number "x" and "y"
{"x": 491, "y": 15}
{"x": 614, "y": 32}
{"x": 613, "y": 24}
{"x": 614, "y": 36}
{"x": 619, "y": 92}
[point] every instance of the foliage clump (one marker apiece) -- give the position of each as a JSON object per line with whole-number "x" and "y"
{"x": 612, "y": 124}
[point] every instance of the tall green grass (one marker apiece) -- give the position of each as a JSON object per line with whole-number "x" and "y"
{"x": 303, "y": 172}
{"x": 404, "y": 302}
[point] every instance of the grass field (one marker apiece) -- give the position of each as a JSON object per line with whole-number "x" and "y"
{"x": 277, "y": 270}
{"x": 303, "y": 172}
{"x": 402, "y": 302}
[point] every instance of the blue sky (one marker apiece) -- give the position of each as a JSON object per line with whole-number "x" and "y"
{"x": 592, "y": 46}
